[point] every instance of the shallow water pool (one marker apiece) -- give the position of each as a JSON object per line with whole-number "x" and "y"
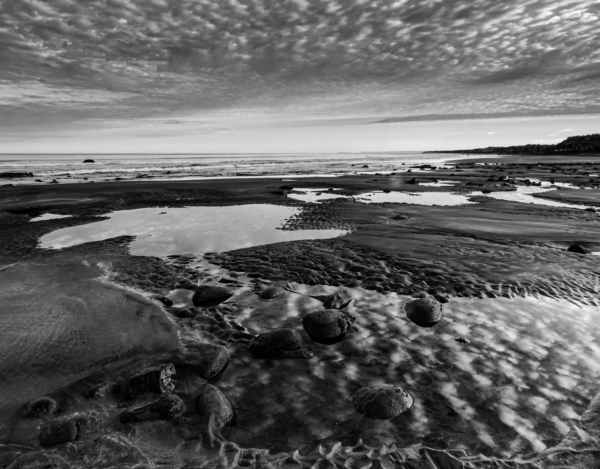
{"x": 167, "y": 231}
{"x": 524, "y": 194}
{"x": 417, "y": 198}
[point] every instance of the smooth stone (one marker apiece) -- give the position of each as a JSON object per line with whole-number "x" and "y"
{"x": 167, "y": 406}
{"x": 214, "y": 409}
{"x": 211, "y": 295}
{"x": 578, "y": 248}
{"x": 338, "y": 300}
{"x": 382, "y": 401}
{"x": 208, "y": 360}
{"x": 103, "y": 389}
{"x": 424, "y": 312}
{"x": 158, "y": 379}
{"x": 327, "y": 326}
{"x": 58, "y": 433}
{"x": 271, "y": 292}
{"x": 41, "y": 406}
{"x": 279, "y": 344}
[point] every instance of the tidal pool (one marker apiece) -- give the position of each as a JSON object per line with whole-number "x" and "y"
{"x": 524, "y": 194}
{"x": 315, "y": 195}
{"x": 417, "y": 198}
{"x": 49, "y": 216}
{"x": 167, "y": 231}
{"x": 526, "y": 371}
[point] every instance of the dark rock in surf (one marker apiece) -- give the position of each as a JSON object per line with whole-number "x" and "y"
{"x": 103, "y": 389}
{"x": 211, "y": 295}
{"x": 167, "y": 406}
{"x": 286, "y": 188}
{"x": 214, "y": 409}
{"x": 339, "y": 300}
{"x": 413, "y": 181}
{"x": 165, "y": 301}
{"x": 424, "y": 312}
{"x": 62, "y": 432}
{"x": 157, "y": 379}
{"x": 278, "y": 345}
{"x": 271, "y": 292}
{"x": 382, "y": 401}
{"x": 41, "y": 406}
{"x": 16, "y": 174}
{"x": 578, "y": 248}
{"x": 88, "y": 161}
{"x": 328, "y": 326}
{"x": 208, "y": 360}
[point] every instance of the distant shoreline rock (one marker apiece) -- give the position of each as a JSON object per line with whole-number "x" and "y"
{"x": 16, "y": 175}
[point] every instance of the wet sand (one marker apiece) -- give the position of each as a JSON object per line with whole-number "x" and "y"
{"x": 494, "y": 250}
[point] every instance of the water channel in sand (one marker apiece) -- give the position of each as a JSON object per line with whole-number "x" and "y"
{"x": 166, "y": 231}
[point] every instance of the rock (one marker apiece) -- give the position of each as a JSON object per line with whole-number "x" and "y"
{"x": 578, "y": 248}
{"x": 103, "y": 389}
{"x": 54, "y": 181}
{"x": 462, "y": 340}
{"x": 39, "y": 460}
{"x": 88, "y": 161}
{"x": 271, "y": 292}
{"x": 590, "y": 209}
{"x": 382, "y": 401}
{"x": 424, "y": 312}
{"x": 208, "y": 360}
{"x": 365, "y": 166}
{"x": 328, "y": 326}
{"x": 420, "y": 294}
{"x": 58, "y": 433}
{"x": 386, "y": 191}
{"x": 214, "y": 409}
{"x": 441, "y": 298}
{"x": 16, "y": 174}
{"x": 41, "y": 406}
{"x": 339, "y": 300}
{"x": 211, "y": 295}
{"x": 184, "y": 313}
{"x": 167, "y": 406}
{"x": 164, "y": 300}
{"x": 286, "y": 188}
{"x": 278, "y": 345}
{"x": 413, "y": 181}
{"x": 159, "y": 379}
{"x": 185, "y": 284}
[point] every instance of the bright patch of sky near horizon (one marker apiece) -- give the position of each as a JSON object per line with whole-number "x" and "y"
{"x": 295, "y": 75}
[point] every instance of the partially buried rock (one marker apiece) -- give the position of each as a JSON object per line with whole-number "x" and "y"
{"x": 41, "y": 406}
{"x": 103, "y": 389}
{"x": 211, "y": 295}
{"x": 328, "y": 326}
{"x": 208, "y": 360}
{"x": 158, "y": 379}
{"x": 424, "y": 312}
{"x": 578, "y": 248}
{"x": 271, "y": 292}
{"x": 167, "y": 406}
{"x": 164, "y": 300}
{"x": 58, "y": 433}
{"x": 338, "y": 300}
{"x": 279, "y": 345}
{"x": 214, "y": 409}
{"x": 382, "y": 401}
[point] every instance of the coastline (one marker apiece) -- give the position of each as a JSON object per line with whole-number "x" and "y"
{"x": 479, "y": 251}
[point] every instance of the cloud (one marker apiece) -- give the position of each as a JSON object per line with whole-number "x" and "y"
{"x": 409, "y": 59}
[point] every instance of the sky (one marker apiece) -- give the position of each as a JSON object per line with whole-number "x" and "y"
{"x": 295, "y": 76}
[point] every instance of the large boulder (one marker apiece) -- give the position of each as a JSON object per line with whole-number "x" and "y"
{"x": 208, "y": 360}
{"x": 578, "y": 248}
{"x": 211, "y": 295}
{"x": 156, "y": 379}
{"x": 382, "y": 401}
{"x": 328, "y": 326}
{"x": 424, "y": 312}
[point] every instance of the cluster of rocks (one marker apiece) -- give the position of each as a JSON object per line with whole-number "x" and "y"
{"x": 151, "y": 394}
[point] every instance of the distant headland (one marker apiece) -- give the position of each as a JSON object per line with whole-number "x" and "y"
{"x": 576, "y": 145}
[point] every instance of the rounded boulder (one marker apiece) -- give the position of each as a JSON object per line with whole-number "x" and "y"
{"x": 382, "y": 401}
{"x": 424, "y": 312}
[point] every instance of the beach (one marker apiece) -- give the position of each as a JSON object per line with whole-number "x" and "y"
{"x": 100, "y": 282}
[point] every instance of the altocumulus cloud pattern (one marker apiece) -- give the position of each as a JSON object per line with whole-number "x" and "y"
{"x": 404, "y": 58}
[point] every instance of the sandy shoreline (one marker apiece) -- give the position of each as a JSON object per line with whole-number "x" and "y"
{"x": 486, "y": 250}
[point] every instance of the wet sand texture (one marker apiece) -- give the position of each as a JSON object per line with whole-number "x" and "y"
{"x": 60, "y": 322}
